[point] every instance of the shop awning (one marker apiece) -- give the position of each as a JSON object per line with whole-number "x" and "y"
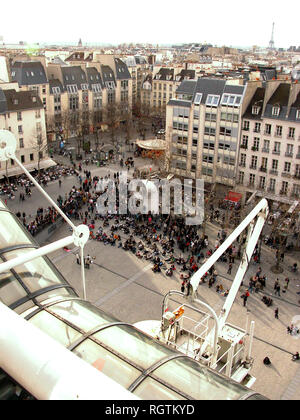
{"x": 233, "y": 197}
{"x": 16, "y": 170}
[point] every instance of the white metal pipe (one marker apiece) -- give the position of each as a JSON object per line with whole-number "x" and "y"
{"x": 35, "y": 253}
{"x": 31, "y": 255}
{"x": 195, "y": 280}
{"x": 46, "y": 369}
{"x": 250, "y": 340}
{"x": 229, "y": 361}
{"x": 44, "y": 193}
{"x": 252, "y": 241}
{"x": 82, "y": 273}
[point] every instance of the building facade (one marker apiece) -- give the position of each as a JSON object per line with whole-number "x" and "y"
{"x": 269, "y": 158}
{"x": 23, "y": 114}
{"x": 203, "y": 130}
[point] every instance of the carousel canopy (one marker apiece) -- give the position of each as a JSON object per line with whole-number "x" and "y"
{"x": 153, "y": 144}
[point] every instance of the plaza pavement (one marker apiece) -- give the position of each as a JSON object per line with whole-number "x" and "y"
{"x": 125, "y": 286}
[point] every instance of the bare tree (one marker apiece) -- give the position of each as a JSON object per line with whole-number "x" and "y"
{"x": 112, "y": 119}
{"x": 39, "y": 145}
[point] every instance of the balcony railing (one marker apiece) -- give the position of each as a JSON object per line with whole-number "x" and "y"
{"x": 286, "y": 175}
{"x": 264, "y": 150}
{"x": 255, "y": 149}
{"x": 254, "y": 167}
{"x": 297, "y": 176}
{"x": 263, "y": 169}
{"x": 291, "y": 137}
{"x": 273, "y": 172}
{"x": 289, "y": 154}
{"x": 276, "y": 152}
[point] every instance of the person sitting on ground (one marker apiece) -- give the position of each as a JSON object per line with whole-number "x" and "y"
{"x": 267, "y": 361}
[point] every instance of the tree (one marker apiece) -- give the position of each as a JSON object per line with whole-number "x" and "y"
{"x": 112, "y": 119}
{"x": 40, "y": 145}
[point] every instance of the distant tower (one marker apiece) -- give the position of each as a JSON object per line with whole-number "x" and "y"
{"x": 80, "y": 43}
{"x": 271, "y": 43}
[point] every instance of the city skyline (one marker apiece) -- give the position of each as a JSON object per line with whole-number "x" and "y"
{"x": 163, "y": 23}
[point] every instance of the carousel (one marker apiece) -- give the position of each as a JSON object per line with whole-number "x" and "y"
{"x": 153, "y": 148}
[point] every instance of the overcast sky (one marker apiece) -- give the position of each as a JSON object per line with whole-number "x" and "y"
{"x": 230, "y": 22}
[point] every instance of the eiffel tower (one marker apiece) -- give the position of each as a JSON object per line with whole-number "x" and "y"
{"x": 271, "y": 43}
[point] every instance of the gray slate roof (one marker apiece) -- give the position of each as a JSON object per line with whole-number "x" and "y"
{"x": 29, "y": 73}
{"x": 187, "y": 87}
{"x": 180, "y": 102}
{"x": 209, "y": 87}
{"x": 257, "y": 99}
{"x": 93, "y": 76}
{"x": 73, "y": 75}
{"x": 3, "y": 104}
{"x": 122, "y": 71}
{"x": 107, "y": 74}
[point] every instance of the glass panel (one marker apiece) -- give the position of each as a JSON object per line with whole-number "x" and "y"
{"x": 55, "y": 328}
{"x": 11, "y": 232}
{"x": 82, "y": 314}
{"x": 57, "y": 293}
{"x": 134, "y": 345}
{"x": 150, "y": 389}
{"x": 197, "y": 381}
{"x": 36, "y": 274}
{"x": 10, "y": 288}
{"x": 107, "y": 363}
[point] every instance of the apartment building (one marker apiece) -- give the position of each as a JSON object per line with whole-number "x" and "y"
{"x": 269, "y": 159}
{"x": 138, "y": 68}
{"x": 23, "y": 114}
{"x": 31, "y": 75}
{"x": 203, "y": 130}
{"x": 165, "y": 82}
{"x": 76, "y": 96}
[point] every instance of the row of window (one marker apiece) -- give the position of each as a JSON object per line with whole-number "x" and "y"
{"x": 264, "y": 164}
{"x": 290, "y": 148}
{"x": 262, "y": 184}
{"x": 213, "y": 100}
{"x": 23, "y": 160}
{"x": 268, "y": 129}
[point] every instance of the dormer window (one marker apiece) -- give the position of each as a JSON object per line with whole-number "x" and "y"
{"x": 255, "y": 110}
{"x": 16, "y": 101}
{"x": 212, "y": 100}
{"x": 198, "y": 98}
{"x": 298, "y": 114}
{"x": 34, "y": 99}
{"x": 275, "y": 110}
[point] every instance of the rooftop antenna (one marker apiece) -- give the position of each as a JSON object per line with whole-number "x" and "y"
{"x": 271, "y": 43}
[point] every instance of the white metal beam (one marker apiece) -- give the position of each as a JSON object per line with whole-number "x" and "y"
{"x": 46, "y": 369}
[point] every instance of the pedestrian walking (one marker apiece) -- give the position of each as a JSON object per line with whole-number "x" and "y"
{"x": 277, "y": 290}
{"x": 78, "y": 259}
{"x": 276, "y": 313}
{"x": 59, "y": 183}
{"x": 229, "y": 268}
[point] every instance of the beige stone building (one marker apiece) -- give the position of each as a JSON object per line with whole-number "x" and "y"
{"x": 76, "y": 95}
{"x": 269, "y": 157}
{"x": 203, "y": 127}
{"x": 23, "y": 114}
